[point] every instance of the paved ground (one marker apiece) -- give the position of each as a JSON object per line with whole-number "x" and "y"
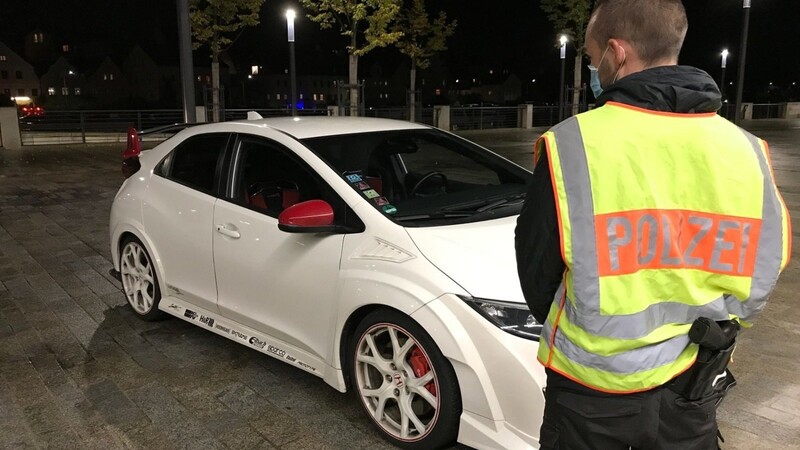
{"x": 78, "y": 370}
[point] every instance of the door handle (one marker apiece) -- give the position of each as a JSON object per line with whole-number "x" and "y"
{"x": 221, "y": 229}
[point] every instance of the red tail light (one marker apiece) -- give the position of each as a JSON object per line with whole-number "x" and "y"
{"x": 130, "y": 157}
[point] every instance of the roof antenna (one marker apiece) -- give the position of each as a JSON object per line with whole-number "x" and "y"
{"x": 252, "y": 115}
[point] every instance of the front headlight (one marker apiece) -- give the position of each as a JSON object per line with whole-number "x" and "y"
{"x": 512, "y": 318}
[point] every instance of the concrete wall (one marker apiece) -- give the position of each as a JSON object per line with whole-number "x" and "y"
{"x": 792, "y": 111}
{"x": 9, "y": 129}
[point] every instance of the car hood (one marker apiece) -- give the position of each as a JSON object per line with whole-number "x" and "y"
{"x": 478, "y": 256}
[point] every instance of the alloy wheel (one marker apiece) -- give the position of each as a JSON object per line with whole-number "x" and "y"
{"x": 138, "y": 280}
{"x": 396, "y": 382}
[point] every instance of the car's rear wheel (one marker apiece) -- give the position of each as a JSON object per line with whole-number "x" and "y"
{"x": 405, "y": 384}
{"x": 139, "y": 280}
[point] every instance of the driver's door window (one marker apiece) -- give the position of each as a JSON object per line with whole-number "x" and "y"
{"x": 269, "y": 180}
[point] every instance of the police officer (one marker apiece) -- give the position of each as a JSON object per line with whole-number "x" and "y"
{"x": 643, "y": 215}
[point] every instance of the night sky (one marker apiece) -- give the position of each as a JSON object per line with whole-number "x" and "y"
{"x": 500, "y": 34}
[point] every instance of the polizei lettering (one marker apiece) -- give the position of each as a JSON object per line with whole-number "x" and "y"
{"x": 676, "y": 239}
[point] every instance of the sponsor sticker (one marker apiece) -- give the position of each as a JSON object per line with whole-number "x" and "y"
{"x": 239, "y": 335}
{"x": 363, "y": 186}
{"x": 222, "y": 328}
{"x": 389, "y": 209}
{"x": 173, "y": 306}
{"x": 353, "y": 178}
{"x": 256, "y": 342}
{"x": 381, "y": 201}
{"x": 371, "y": 193}
{"x": 302, "y": 364}
{"x": 276, "y": 351}
{"x": 190, "y": 314}
{"x": 207, "y": 320}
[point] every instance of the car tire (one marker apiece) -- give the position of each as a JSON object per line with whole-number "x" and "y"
{"x": 404, "y": 383}
{"x": 139, "y": 280}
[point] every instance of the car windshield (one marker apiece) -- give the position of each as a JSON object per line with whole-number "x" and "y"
{"x": 425, "y": 177}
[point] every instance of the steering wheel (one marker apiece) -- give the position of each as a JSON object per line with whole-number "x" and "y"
{"x": 425, "y": 178}
{"x": 273, "y": 187}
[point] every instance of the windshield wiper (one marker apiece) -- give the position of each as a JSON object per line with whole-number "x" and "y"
{"x": 484, "y": 205}
{"x": 434, "y": 216}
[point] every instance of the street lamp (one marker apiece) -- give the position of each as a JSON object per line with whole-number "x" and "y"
{"x": 292, "y": 71}
{"x": 724, "y": 65}
{"x": 563, "y": 40}
{"x": 743, "y": 54}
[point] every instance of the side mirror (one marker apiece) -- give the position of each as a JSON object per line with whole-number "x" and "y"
{"x": 312, "y": 216}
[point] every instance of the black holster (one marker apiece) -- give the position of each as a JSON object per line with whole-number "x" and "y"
{"x": 709, "y": 376}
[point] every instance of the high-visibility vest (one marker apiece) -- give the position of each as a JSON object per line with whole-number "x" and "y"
{"x": 663, "y": 218}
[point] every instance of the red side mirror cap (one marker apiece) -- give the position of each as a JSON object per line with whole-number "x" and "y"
{"x": 312, "y": 216}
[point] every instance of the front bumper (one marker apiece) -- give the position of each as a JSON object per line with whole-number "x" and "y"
{"x": 500, "y": 379}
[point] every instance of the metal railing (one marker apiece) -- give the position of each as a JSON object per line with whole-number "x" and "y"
{"x": 241, "y": 114}
{"x": 769, "y": 111}
{"x": 483, "y": 117}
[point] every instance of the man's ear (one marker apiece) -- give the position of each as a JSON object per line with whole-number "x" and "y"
{"x": 618, "y": 51}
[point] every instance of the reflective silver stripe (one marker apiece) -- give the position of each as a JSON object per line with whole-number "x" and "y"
{"x": 633, "y": 361}
{"x": 770, "y": 244}
{"x": 639, "y": 325}
{"x": 575, "y": 173}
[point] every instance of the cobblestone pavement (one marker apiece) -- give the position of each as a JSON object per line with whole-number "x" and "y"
{"x": 78, "y": 370}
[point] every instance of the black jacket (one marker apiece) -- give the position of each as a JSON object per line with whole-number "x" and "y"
{"x": 681, "y": 89}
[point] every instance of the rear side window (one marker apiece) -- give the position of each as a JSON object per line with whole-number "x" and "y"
{"x": 195, "y": 162}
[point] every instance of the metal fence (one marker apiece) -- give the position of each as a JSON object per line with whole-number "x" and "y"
{"x": 241, "y": 114}
{"x": 482, "y": 117}
{"x": 769, "y": 111}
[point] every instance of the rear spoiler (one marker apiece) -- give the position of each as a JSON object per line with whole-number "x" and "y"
{"x": 168, "y": 128}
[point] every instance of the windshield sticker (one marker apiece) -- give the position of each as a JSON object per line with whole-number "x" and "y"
{"x": 353, "y": 178}
{"x": 363, "y": 186}
{"x": 389, "y": 209}
{"x": 371, "y": 193}
{"x": 381, "y": 201}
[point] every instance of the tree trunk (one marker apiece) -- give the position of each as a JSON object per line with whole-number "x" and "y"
{"x": 215, "y": 88}
{"x": 576, "y": 92}
{"x": 353, "y": 85}
{"x": 412, "y": 98}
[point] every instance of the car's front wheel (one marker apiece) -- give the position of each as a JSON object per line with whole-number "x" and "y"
{"x": 139, "y": 280}
{"x": 405, "y": 384}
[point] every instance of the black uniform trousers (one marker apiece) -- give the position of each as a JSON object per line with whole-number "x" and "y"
{"x": 580, "y": 418}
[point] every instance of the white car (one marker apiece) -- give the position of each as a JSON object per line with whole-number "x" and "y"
{"x": 375, "y": 254}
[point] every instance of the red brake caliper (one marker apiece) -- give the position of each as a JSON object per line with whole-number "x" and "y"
{"x": 419, "y": 363}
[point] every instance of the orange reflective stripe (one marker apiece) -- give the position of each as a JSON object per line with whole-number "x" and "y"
{"x": 630, "y": 241}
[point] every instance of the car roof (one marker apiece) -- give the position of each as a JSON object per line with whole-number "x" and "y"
{"x": 310, "y": 127}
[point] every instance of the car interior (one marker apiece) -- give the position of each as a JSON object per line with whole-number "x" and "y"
{"x": 271, "y": 181}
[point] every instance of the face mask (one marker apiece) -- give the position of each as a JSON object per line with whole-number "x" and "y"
{"x": 594, "y": 82}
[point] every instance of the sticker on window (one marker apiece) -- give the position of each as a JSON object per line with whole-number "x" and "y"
{"x": 353, "y": 178}
{"x": 389, "y": 209}
{"x": 381, "y": 201}
{"x": 363, "y": 186}
{"x": 371, "y": 193}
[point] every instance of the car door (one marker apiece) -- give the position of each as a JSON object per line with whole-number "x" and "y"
{"x": 178, "y": 215}
{"x": 282, "y": 284}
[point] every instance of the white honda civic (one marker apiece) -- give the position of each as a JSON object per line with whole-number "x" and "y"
{"x": 375, "y": 254}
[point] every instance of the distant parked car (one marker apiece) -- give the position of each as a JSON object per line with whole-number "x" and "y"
{"x": 375, "y": 254}
{"x": 29, "y": 111}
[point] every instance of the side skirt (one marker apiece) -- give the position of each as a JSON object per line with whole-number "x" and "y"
{"x": 248, "y": 337}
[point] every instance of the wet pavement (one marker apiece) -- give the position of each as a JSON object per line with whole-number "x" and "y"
{"x": 78, "y": 370}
